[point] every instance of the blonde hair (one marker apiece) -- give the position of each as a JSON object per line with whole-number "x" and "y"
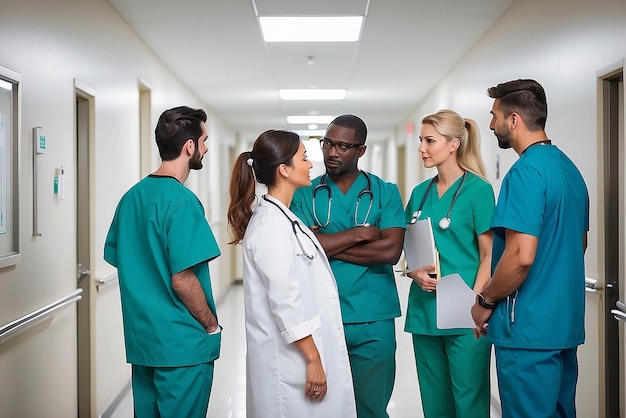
{"x": 451, "y": 125}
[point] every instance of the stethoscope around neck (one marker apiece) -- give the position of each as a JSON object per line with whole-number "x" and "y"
{"x": 445, "y": 222}
{"x": 367, "y": 190}
{"x": 295, "y": 224}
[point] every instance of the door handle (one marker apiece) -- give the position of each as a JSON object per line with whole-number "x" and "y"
{"x": 619, "y": 315}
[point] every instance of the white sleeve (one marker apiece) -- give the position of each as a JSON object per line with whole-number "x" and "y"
{"x": 272, "y": 249}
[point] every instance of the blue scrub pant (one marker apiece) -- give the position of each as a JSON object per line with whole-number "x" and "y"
{"x": 372, "y": 353}
{"x": 453, "y": 375}
{"x": 537, "y": 383}
{"x": 172, "y": 392}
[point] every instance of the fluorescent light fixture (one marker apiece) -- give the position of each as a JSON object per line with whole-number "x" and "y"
{"x": 305, "y": 133}
{"x": 311, "y": 29}
{"x": 308, "y": 119}
{"x": 312, "y": 94}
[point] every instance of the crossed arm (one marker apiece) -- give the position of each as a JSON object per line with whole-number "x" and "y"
{"x": 364, "y": 245}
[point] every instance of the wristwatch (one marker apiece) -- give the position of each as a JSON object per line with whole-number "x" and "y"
{"x": 482, "y": 302}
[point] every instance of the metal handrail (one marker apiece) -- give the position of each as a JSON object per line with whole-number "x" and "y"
{"x": 109, "y": 278}
{"x": 19, "y": 325}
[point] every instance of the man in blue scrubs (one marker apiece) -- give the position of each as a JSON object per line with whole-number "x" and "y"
{"x": 161, "y": 242}
{"x": 362, "y": 231}
{"x": 533, "y": 308}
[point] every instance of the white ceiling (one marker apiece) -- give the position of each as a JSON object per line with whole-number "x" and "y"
{"x": 216, "y": 48}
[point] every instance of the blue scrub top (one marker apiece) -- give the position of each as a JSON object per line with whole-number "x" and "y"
{"x": 367, "y": 293}
{"x": 160, "y": 229}
{"x": 457, "y": 245}
{"x": 543, "y": 195}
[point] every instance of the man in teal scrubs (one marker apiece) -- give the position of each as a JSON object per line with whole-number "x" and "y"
{"x": 161, "y": 242}
{"x": 362, "y": 231}
{"x": 535, "y": 302}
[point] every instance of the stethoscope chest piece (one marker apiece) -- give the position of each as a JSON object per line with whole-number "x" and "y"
{"x": 444, "y": 223}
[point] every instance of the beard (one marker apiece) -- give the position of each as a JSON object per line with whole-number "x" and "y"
{"x": 336, "y": 168}
{"x": 504, "y": 139}
{"x": 195, "y": 162}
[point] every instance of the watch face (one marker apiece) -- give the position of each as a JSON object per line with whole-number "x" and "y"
{"x": 482, "y": 302}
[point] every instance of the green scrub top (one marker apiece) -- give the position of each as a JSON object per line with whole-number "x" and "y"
{"x": 543, "y": 195}
{"x": 367, "y": 293}
{"x": 457, "y": 245}
{"x": 160, "y": 229}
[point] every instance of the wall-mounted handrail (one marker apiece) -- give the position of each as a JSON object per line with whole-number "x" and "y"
{"x": 19, "y": 325}
{"x": 109, "y": 278}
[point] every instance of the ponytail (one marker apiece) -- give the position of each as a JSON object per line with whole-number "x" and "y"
{"x": 469, "y": 155}
{"x": 451, "y": 125}
{"x": 242, "y": 195}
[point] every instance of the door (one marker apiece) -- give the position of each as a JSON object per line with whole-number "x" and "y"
{"x": 86, "y": 306}
{"x": 612, "y": 91}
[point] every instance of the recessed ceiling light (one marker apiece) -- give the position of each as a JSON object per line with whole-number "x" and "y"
{"x": 312, "y": 94}
{"x": 311, "y": 29}
{"x": 308, "y": 119}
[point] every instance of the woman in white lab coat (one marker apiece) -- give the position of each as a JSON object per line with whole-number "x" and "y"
{"x": 297, "y": 362}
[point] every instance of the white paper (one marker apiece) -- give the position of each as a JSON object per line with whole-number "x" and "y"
{"x": 454, "y": 303}
{"x": 419, "y": 244}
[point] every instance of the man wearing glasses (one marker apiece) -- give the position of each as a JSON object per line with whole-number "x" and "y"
{"x": 358, "y": 218}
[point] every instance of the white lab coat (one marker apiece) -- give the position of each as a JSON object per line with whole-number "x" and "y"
{"x": 288, "y": 297}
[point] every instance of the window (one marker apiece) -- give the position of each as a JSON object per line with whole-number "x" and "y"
{"x": 9, "y": 202}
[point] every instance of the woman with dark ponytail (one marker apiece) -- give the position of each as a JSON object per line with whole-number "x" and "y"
{"x": 297, "y": 361}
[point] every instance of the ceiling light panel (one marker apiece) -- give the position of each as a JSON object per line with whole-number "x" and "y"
{"x": 308, "y": 119}
{"x": 312, "y": 94}
{"x": 311, "y": 29}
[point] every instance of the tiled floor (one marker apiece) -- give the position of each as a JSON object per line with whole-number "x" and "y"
{"x": 228, "y": 394}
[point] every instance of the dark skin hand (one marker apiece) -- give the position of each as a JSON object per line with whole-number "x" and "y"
{"x": 364, "y": 245}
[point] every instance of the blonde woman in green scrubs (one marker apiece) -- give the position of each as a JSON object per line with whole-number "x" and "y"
{"x": 452, "y": 366}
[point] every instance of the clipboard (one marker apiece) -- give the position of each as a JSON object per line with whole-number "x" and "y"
{"x": 454, "y": 303}
{"x": 419, "y": 246}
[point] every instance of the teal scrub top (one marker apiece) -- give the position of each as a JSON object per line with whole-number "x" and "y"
{"x": 457, "y": 245}
{"x": 543, "y": 195}
{"x": 367, "y": 293}
{"x": 160, "y": 229}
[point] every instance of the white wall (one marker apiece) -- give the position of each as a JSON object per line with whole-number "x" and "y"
{"x": 52, "y": 44}
{"x": 562, "y": 44}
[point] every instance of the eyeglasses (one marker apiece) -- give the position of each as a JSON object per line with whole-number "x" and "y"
{"x": 341, "y": 147}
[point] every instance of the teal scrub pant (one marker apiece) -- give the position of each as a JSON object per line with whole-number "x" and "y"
{"x": 172, "y": 392}
{"x": 453, "y": 375}
{"x": 537, "y": 383}
{"x": 372, "y": 353}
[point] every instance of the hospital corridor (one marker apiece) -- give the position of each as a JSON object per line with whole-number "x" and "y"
{"x": 228, "y": 397}
{"x": 83, "y": 86}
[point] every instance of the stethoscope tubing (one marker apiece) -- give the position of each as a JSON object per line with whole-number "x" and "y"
{"x": 445, "y": 222}
{"x": 295, "y": 223}
{"x": 367, "y": 190}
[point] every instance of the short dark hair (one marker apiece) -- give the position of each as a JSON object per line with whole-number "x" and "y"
{"x": 352, "y": 122}
{"x": 175, "y": 127}
{"x": 525, "y": 97}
